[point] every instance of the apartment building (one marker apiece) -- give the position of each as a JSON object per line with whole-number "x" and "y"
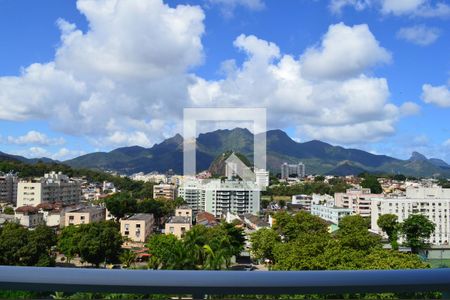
{"x": 53, "y": 187}
{"x": 293, "y": 170}
{"x": 165, "y": 191}
{"x": 84, "y": 215}
{"x": 8, "y": 188}
{"x": 434, "y": 203}
{"x": 262, "y": 178}
{"x": 330, "y": 213}
{"x": 219, "y": 196}
{"x": 178, "y": 226}
{"x": 137, "y": 227}
{"x": 304, "y": 201}
{"x": 358, "y": 199}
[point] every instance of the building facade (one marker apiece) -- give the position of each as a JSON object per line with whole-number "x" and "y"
{"x": 8, "y": 188}
{"x": 84, "y": 216}
{"x": 53, "y": 187}
{"x": 357, "y": 199}
{"x": 219, "y": 196}
{"x": 178, "y": 226}
{"x": 137, "y": 227}
{"x": 292, "y": 170}
{"x": 165, "y": 191}
{"x": 330, "y": 213}
{"x": 434, "y": 203}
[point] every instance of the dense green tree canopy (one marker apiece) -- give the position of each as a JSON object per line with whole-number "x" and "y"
{"x": 22, "y": 247}
{"x": 202, "y": 247}
{"x": 302, "y": 242}
{"x": 95, "y": 243}
{"x": 416, "y": 230}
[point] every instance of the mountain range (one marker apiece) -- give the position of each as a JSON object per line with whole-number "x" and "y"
{"x": 318, "y": 157}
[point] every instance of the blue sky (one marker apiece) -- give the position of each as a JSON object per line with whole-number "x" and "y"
{"x": 78, "y": 77}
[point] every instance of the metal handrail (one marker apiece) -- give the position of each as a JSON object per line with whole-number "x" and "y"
{"x": 223, "y": 282}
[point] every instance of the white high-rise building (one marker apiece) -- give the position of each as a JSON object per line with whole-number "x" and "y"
{"x": 217, "y": 197}
{"x": 262, "y": 178}
{"x": 53, "y": 187}
{"x": 292, "y": 170}
{"x": 434, "y": 203}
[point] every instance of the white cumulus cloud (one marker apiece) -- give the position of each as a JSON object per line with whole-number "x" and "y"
{"x": 419, "y": 34}
{"x": 438, "y": 95}
{"x": 415, "y": 8}
{"x": 332, "y": 59}
{"x": 34, "y": 137}
{"x": 128, "y": 71}
{"x": 339, "y": 104}
{"x": 127, "y": 78}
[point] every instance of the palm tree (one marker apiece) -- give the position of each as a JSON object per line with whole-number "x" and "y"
{"x": 214, "y": 260}
{"x": 128, "y": 258}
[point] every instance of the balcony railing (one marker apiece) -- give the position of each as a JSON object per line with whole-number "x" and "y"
{"x": 200, "y": 283}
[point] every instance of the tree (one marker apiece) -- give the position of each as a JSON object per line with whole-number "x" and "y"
{"x": 353, "y": 233}
{"x": 68, "y": 242}
{"x": 263, "y": 242}
{"x": 168, "y": 252}
{"x": 121, "y": 204}
{"x": 291, "y": 226}
{"x": 389, "y": 224}
{"x": 416, "y": 230}
{"x": 372, "y": 183}
{"x": 13, "y": 242}
{"x": 8, "y": 210}
{"x": 100, "y": 242}
{"x": 39, "y": 248}
{"x": 127, "y": 258}
{"x": 319, "y": 178}
{"x": 21, "y": 247}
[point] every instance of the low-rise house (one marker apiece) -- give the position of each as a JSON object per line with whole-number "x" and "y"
{"x": 29, "y": 216}
{"x": 84, "y": 216}
{"x": 184, "y": 210}
{"x": 178, "y": 225}
{"x": 206, "y": 219}
{"x": 137, "y": 227}
{"x": 54, "y": 213}
{"x": 5, "y": 218}
{"x": 255, "y": 222}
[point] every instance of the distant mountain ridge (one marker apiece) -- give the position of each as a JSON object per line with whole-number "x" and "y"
{"x": 319, "y": 157}
{"x": 5, "y": 156}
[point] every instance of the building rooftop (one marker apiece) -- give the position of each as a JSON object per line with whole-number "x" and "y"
{"x": 179, "y": 220}
{"x": 206, "y": 219}
{"x": 27, "y": 209}
{"x": 184, "y": 206}
{"x": 91, "y": 209}
{"x": 140, "y": 217}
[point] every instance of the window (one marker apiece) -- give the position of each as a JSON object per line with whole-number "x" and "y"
{"x": 71, "y": 218}
{"x": 171, "y": 229}
{"x": 138, "y": 225}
